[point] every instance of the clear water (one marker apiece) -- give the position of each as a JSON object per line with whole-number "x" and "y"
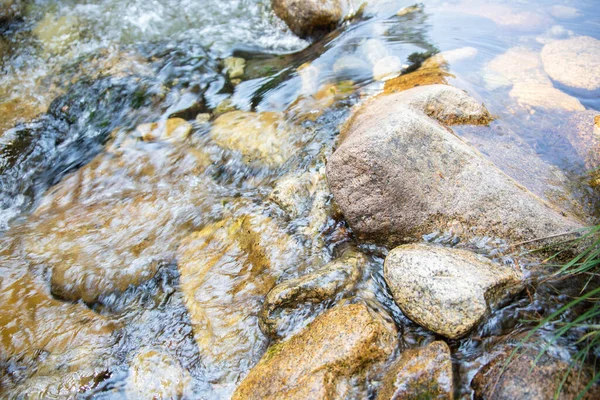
{"x": 79, "y": 187}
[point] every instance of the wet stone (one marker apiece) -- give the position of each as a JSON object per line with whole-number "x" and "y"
{"x": 308, "y": 291}
{"x": 343, "y": 344}
{"x": 52, "y": 348}
{"x": 226, "y": 270}
{"x": 173, "y": 129}
{"x": 116, "y": 221}
{"x": 154, "y": 374}
{"x": 531, "y": 86}
{"x": 448, "y": 291}
{"x": 234, "y": 66}
{"x": 523, "y": 376}
{"x": 421, "y": 373}
{"x": 263, "y": 139}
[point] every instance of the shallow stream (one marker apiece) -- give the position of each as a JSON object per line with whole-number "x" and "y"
{"x": 86, "y": 187}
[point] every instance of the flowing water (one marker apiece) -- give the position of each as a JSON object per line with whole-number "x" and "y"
{"x": 93, "y": 206}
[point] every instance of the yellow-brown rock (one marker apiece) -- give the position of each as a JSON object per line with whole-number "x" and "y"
{"x": 342, "y": 343}
{"x": 173, "y": 129}
{"x": 53, "y": 348}
{"x": 226, "y": 270}
{"x": 262, "y": 138}
{"x": 114, "y": 222}
{"x": 431, "y": 73}
{"x": 425, "y": 372}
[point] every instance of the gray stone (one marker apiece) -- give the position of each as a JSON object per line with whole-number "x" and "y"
{"x": 399, "y": 175}
{"x": 447, "y": 104}
{"x": 448, "y": 291}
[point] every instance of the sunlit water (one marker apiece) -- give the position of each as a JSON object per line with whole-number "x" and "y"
{"x": 93, "y": 215}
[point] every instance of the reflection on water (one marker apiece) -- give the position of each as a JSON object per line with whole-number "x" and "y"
{"x": 153, "y": 189}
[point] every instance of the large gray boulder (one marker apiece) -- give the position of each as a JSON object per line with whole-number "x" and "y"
{"x": 448, "y": 291}
{"x": 399, "y": 174}
{"x": 309, "y": 17}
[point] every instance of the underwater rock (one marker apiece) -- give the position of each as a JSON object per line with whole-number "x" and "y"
{"x": 526, "y": 377}
{"x": 387, "y": 68}
{"x": 47, "y": 347}
{"x": 324, "y": 284}
{"x": 309, "y": 17}
{"x": 448, "y": 291}
{"x": 262, "y": 138}
{"x": 574, "y": 62}
{"x": 399, "y": 175}
{"x": 535, "y": 95}
{"x": 583, "y": 131}
{"x": 425, "y": 372}
{"x": 172, "y": 130}
{"x": 156, "y": 375}
{"x": 309, "y": 107}
{"x": 114, "y": 222}
{"x": 57, "y": 33}
{"x": 564, "y": 12}
{"x": 318, "y": 362}
{"x": 531, "y": 86}
{"x": 226, "y": 270}
{"x": 234, "y": 66}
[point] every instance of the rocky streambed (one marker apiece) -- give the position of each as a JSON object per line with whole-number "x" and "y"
{"x": 294, "y": 199}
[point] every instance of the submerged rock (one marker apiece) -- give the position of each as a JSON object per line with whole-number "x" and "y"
{"x": 422, "y": 373}
{"x": 583, "y": 131}
{"x": 574, "y": 62}
{"x": 531, "y": 87}
{"x": 156, "y": 375}
{"x": 309, "y": 17}
{"x": 234, "y": 66}
{"x": 544, "y": 96}
{"x": 114, "y": 222}
{"x": 47, "y": 348}
{"x": 525, "y": 377}
{"x": 173, "y": 129}
{"x": 262, "y": 138}
{"x": 57, "y": 33}
{"x": 311, "y": 289}
{"x": 399, "y": 175}
{"x": 226, "y": 271}
{"x": 447, "y": 291}
{"x": 320, "y": 361}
